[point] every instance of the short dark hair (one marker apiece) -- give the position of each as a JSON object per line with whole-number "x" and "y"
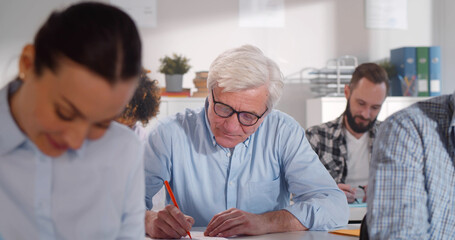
{"x": 101, "y": 37}
{"x": 145, "y": 102}
{"x": 371, "y": 71}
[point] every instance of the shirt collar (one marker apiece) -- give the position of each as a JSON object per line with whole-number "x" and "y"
{"x": 207, "y": 124}
{"x": 451, "y": 108}
{"x": 79, "y": 153}
{"x": 339, "y": 132}
{"x": 10, "y": 134}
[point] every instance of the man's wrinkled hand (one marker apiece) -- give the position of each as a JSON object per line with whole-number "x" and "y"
{"x": 235, "y": 222}
{"x": 365, "y": 189}
{"x": 348, "y": 191}
{"x": 167, "y": 223}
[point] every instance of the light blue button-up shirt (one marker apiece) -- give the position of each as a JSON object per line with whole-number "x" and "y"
{"x": 96, "y": 192}
{"x": 258, "y": 176}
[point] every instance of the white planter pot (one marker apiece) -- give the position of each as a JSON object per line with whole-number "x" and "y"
{"x": 174, "y": 82}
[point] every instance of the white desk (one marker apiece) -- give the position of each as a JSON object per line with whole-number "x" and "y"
{"x": 301, "y": 235}
{"x": 357, "y": 212}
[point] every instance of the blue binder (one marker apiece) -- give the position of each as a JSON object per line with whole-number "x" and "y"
{"x": 434, "y": 54}
{"x": 404, "y": 60}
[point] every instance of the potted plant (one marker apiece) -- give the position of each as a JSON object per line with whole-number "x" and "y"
{"x": 174, "y": 67}
{"x": 394, "y": 81}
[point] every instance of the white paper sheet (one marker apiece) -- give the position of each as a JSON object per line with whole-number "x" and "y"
{"x": 386, "y": 14}
{"x": 197, "y": 235}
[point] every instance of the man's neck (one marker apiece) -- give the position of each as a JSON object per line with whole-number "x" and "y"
{"x": 352, "y": 132}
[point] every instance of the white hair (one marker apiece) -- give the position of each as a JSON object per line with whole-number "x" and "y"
{"x": 244, "y": 68}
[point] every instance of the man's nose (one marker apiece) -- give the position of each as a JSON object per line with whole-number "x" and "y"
{"x": 232, "y": 123}
{"x": 365, "y": 113}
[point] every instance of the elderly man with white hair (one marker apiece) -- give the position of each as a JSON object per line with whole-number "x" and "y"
{"x": 234, "y": 163}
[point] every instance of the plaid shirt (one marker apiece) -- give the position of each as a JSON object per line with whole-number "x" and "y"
{"x": 329, "y": 142}
{"x": 411, "y": 193}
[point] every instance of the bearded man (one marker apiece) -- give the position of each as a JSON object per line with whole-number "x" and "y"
{"x": 344, "y": 145}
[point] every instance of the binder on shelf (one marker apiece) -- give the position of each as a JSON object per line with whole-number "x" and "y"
{"x": 404, "y": 60}
{"x": 434, "y": 55}
{"x": 422, "y": 71}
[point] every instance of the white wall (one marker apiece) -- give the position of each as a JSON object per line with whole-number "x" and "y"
{"x": 315, "y": 31}
{"x": 444, "y": 35}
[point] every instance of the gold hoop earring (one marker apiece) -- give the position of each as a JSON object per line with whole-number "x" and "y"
{"x": 22, "y": 75}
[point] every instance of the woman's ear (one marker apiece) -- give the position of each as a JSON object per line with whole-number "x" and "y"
{"x": 26, "y": 61}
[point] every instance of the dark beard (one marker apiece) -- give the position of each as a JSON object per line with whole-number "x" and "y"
{"x": 354, "y": 126}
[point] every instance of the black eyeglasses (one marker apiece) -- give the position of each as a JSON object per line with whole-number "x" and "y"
{"x": 225, "y": 111}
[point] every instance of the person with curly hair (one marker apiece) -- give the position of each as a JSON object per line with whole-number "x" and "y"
{"x": 143, "y": 106}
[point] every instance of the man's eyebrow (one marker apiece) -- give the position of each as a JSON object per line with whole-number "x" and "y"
{"x": 74, "y": 108}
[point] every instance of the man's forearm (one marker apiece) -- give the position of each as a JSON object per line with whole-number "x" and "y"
{"x": 282, "y": 221}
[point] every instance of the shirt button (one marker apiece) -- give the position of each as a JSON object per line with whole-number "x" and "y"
{"x": 228, "y": 154}
{"x": 231, "y": 183}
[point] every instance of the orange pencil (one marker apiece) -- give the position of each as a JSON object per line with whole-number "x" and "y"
{"x": 169, "y": 190}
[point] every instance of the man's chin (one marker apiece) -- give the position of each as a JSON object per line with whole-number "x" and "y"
{"x": 360, "y": 128}
{"x": 363, "y": 126}
{"x": 227, "y": 142}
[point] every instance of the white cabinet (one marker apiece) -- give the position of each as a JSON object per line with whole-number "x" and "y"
{"x": 320, "y": 110}
{"x": 170, "y": 106}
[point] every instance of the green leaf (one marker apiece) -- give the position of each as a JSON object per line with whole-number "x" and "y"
{"x": 177, "y": 64}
